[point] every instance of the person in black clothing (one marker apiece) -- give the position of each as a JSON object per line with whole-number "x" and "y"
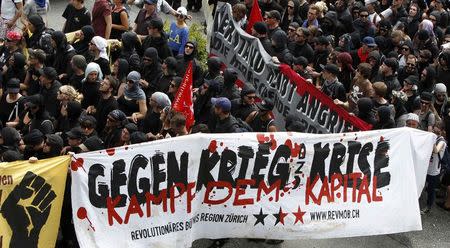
{"x": 10, "y": 140}
{"x": 36, "y": 60}
{"x": 173, "y": 87}
{"x": 34, "y": 144}
{"x": 300, "y": 46}
{"x": 76, "y": 15}
{"x": 82, "y": 45}
{"x": 365, "y": 110}
{"x": 152, "y": 124}
{"x": 331, "y": 86}
{"x": 115, "y": 122}
{"x": 259, "y": 30}
{"x": 16, "y": 67}
{"x": 63, "y": 54}
{"x": 290, "y": 15}
{"x": 279, "y": 45}
{"x": 12, "y": 104}
{"x": 388, "y": 72}
{"x": 214, "y": 70}
{"x": 222, "y": 121}
{"x": 68, "y": 119}
{"x": 169, "y": 67}
{"x": 230, "y": 89}
{"x": 78, "y": 64}
{"x": 53, "y": 145}
{"x": 37, "y": 27}
{"x": 151, "y": 72}
{"x": 202, "y": 102}
{"x": 75, "y": 138}
{"x": 410, "y": 88}
{"x": 409, "y": 69}
{"x": 299, "y": 65}
{"x": 120, "y": 73}
{"x": 35, "y": 116}
{"x": 427, "y": 79}
{"x": 190, "y": 54}
{"x": 90, "y": 86}
{"x": 268, "y": 5}
{"x": 119, "y": 16}
{"x": 107, "y": 102}
{"x": 243, "y": 107}
{"x": 157, "y": 38}
{"x": 320, "y": 53}
{"x": 272, "y": 19}
{"x": 98, "y": 47}
{"x": 128, "y": 51}
{"x": 49, "y": 91}
{"x": 88, "y": 124}
{"x": 261, "y": 120}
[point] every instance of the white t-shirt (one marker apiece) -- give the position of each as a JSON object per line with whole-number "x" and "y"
{"x": 9, "y": 8}
{"x": 435, "y": 168}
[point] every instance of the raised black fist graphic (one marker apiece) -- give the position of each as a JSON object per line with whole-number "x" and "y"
{"x": 27, "y": 220}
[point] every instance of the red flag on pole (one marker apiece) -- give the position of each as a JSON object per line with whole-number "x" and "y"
{"x": 183, "y": 99}
{"x": 255, "y": 16}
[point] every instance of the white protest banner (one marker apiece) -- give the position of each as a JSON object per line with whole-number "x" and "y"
{"x": 171, "y": 192}
{"x": 290, "y": 92}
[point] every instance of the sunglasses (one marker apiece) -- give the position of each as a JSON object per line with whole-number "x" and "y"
{"x": 172, "y": 85}
{"x": 424, "y": 103}
{"x": 146, "y": 59}
{"x": 362, "y": 15}
{"x": 251, "y": 97}
{"x": 190, "y": 47}
{"x": 405, "y": 48}
{"x": 411, "y": 64}
{"x": 290, "y": 7}
{"x": 291, "y": 30}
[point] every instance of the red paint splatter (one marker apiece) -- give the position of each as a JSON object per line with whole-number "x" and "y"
{"x": 285, "y": 189}
{"x": 295, "y": 148}
{"x": 221, "y": 143}
{"x": 282, "y": 194}
{"x": 212, "y": 146}
{"x": 77, "y": 163}
{"x": 126, "y": 147}
{"x": 111, "y": 151}
{"x": 338, "y": 195}
{"x": 82, "y": 214}
{"x": 225, "y": 205}
{"x": 267, "y": 139}
{"x": 271, "y": 198}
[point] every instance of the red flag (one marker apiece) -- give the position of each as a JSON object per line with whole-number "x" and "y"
{"x": 255, "y": 16}
{"x": 183, "y": 99}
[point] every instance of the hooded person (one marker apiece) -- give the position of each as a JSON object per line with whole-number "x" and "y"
{"x": 63, "y": 53}
{"x": 133, "y": 101}
{"x": 17, "y": 68}
{"x": 38, "y": 115}
{"x": 384, "y": 118}
{"x": 230, "y": 90}
{"x": 100, "y": 54}
{"x": 169, "y": 71}
{"x": 10, "y": 138}
{"x": 365, "y": 110}
{"x": 116, "y": 121}
{"x": 152, "y": 122}
{"x": 290, "y": 14}
{"x": 34, "y": 144}
{"x": 190, "y": 54}
{"x": 151, "y": 72}
{"x": 36, "y": 27}
{"x": 412, "y": 20}
{"x": 331, "y": 25}
{"x": 53, "y": 146}
{"x": 202, "y": 104}
{"x": 93, "y": 143}
{"x": 129, "y": 51}
{"x": 293, "y": 123}
{"x": 90, "y": 85}
{"x": 82, "y": 46}
{"x": 279, "y": 45}
{"x": 70, "y": 113}
{"x": 214, "y": 69}
{"x": 374, "y": 59}
{"x": 157, "y": 38}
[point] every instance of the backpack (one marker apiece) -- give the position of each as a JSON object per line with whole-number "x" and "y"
{"x": 444, "y": 162}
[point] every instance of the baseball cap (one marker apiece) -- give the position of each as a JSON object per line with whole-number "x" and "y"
{"x": 367, "y": 2}
{"x": 331, "y": 68}
{"x": 54, "y": 141}
{"x": 34, "y": 137}
{"x": 274, "y": 14}
{"x": 151, "y": 1}
{"x": 34, "y": 100}
{"x": 36, "y": 54}
{"x": 222, "y": 102}
{"x": 93, "y": 143}
{"x": 265, "y": 105}
{"x": 182, "y": 11}
{"x": 260, "y": 27}
{"x": 412, "y": 79}
{"x": 75, "y": 133}
{"x": 369, "y": 41}
{"x": 13, "y": 85}
{"x": 412, "y": 117}
{"x": 49, "y": 72}
{"x": 391, "y": 63}
{"x": 14, "y": 36}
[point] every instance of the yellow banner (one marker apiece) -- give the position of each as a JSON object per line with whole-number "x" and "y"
{"x": 31, "y": 196}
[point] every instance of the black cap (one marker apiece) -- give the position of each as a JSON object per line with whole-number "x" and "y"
{"x": 426, "y": 96}
{"x": 156, "y": 23}
{"x": 93, "y": 143}
{"x": 138, "y": 137}
{"x": 260, "y": 27}
{"x": 265, "y": 105}
{"x": 331, "y": 68}
{"x": 301, "y": 61}
{"x": 274, "y": 14}
{"x": 75, "y": 133}
{"x": 13, "y": 85}
{"x": 412, "y": 79}
{"x": 34, "y": 137}
{"x": 55, "y": 141}
{"x": 49, "y": 72}
{"x": 247, "y": 89}
{"x": 88, "y": 121}
{"x": 322, "y": 40}
{"x": 34, "y": 100}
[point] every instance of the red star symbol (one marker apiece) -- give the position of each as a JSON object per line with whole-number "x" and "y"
{"x": 299, "y": 215}
{"x": 280, "y": 217}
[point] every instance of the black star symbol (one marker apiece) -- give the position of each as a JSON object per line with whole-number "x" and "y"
{"x": 260, "y": 217}
{"x": 280, "y": 217}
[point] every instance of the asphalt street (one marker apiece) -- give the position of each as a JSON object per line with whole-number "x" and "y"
{"x": 436, "y": 224}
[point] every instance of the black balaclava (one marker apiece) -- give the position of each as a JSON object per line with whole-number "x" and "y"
{"x": 230, "y": 76}
{"x": 214, "y": 64}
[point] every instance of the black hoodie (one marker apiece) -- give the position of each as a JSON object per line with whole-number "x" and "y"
{"x": 183, "y": 62}
{"x": 230, "y": 90}
{"x": 160, "y": 43}
{"x": 17, "y": 70}
{"x": 128, "y": 51}
{"x": 365, "y": 110}
{"x": 39, "y": 24}
{"x": 285, "y": 19}
{"x": 82, "y": 47}
{"x": 63, "y": 53}
{"x": 279, "y": 44}
{"x": 152, "y": 72}
{"x": 385, "y": 118}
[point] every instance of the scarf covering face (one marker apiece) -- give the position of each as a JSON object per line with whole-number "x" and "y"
{"x": 101, "y": 44}
{"x": 93, "y": 67}
{"x": 134, "y": 91}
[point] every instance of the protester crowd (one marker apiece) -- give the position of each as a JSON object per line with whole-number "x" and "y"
{"x": 387, "y": 62}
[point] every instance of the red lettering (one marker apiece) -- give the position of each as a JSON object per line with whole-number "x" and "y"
{"x": 181, "y": 190}
{"x": 375, "y": 197}
{"x": 364, "y": 189}
{"x": 309, "y": 190}
{"x": 241, "y": 191}
{"x": 325, "y": 191}
{"x": 112, "y": 214}
{"x": 263, "y": 187}
{"x": 149, "y": 198}
{"x": 334, "y": 186}
{"x": 133, "y": 208}
{"x": 190, "y": 196}
{"x": 211, "y": 186}
{"x": 355, "y": 176}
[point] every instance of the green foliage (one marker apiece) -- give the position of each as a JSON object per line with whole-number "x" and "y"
{"x": 197, "y": 34}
